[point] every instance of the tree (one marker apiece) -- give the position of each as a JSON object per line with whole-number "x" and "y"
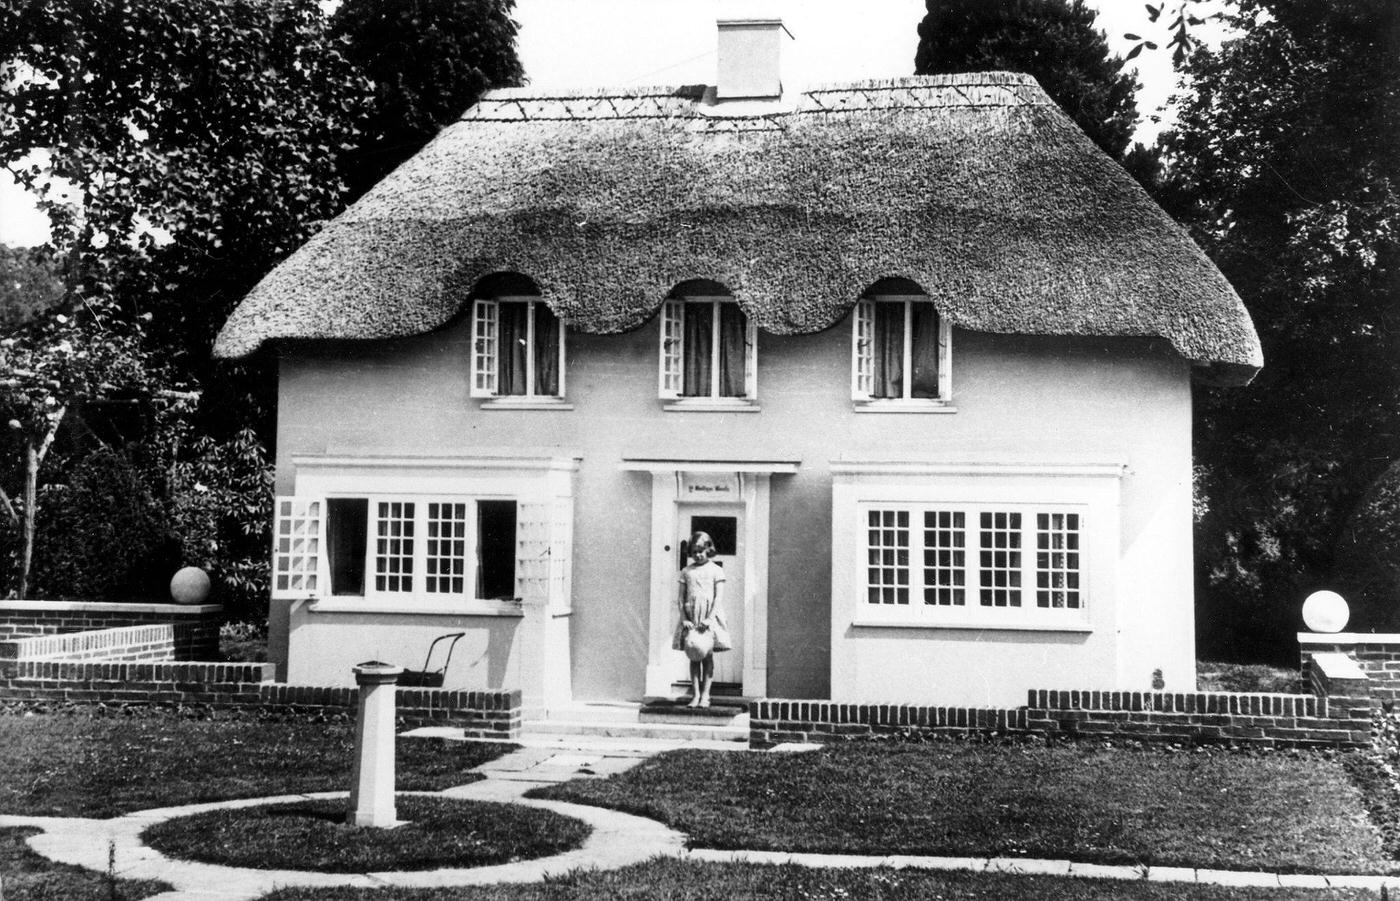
{"x": 29, "y": 284}
{"x": 1053, "y": 40}
{"x": 179, "y": 150}
{"x": 1288, "y": 170}
{"x": 429, "y": 60}
{"x": 57, "y": 362}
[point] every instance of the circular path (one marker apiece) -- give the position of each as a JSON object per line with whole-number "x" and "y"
{"x": 617, "y": 840}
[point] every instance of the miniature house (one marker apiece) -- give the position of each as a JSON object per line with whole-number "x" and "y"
{"x": 915, "y": 353}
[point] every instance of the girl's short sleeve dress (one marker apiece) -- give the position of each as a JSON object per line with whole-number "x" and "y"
{"x": 700, "y": 603}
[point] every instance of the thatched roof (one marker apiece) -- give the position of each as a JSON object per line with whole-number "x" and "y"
{"x": 974, "y": 186}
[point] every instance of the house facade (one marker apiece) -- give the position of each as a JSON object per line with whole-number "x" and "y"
{"x": 915, "y": 353}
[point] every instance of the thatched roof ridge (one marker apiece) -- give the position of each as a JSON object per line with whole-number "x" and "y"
{"x": 974, "y": 186}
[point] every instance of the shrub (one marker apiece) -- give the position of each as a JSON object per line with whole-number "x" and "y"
{"x": 101, "y": 535}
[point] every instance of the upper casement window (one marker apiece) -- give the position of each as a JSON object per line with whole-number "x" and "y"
{"x": 900, "y": 355}
{"x": 708, "y": 355}
{"x": 517, "y": 352}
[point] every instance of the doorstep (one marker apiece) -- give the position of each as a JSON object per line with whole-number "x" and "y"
{"x": 626, "y": 721}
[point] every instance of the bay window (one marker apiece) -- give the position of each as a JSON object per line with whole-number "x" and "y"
{"x": 423, "y": 548}
{"x": 962, "y": 562}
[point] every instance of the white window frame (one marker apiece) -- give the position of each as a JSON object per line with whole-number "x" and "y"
{"x": 972, "y": 612}
{"x": 862, "y": 360}
{"x": 485, "y": 345}
{"x": 671, "y": 359}
{"x": 417, "y": 595}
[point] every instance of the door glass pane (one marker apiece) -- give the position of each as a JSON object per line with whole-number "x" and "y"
{"x": 723, "y": 530}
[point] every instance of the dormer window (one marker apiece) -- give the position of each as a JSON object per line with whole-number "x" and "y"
{"x": 708, "y": 354}
{"x": 900, "y": 358}
{"x": 517, "y": 350}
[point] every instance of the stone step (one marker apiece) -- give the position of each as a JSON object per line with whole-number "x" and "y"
{"x": 722, "y": 711}
{"x": 736, "y": 730}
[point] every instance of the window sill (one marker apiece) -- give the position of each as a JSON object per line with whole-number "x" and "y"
{"x": 412, "y": 606}
{"x": 977, "y": 625}
{"x": 712, "y": 405}
{"x": 526, "y": 403}
{"x": 913, "y": 405}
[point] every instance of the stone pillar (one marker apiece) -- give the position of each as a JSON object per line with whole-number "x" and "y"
{"x": 372, "y": 795}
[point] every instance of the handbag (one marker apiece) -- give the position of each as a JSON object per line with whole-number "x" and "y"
{"x": 698, "y": 645}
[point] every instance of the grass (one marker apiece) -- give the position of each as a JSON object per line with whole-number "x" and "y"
{"x": 29, "y": 877}
{"x": 439, "y": 832}
{"x": 1278, "y": 811}
{"x": 102, "y": 766}
{"x": 1246, "y": 677}
{"x": 684, "y": 881}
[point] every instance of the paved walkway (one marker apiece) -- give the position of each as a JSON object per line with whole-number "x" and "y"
{"x": 617, "y": 840}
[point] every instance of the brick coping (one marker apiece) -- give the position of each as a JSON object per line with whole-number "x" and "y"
{"x": 1311, "y": 638}
{"x": 107, "y": 607}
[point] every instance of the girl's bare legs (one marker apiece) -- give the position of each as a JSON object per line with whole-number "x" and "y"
{"x": 708, "y": 666}
{"x": 695, "y": 673}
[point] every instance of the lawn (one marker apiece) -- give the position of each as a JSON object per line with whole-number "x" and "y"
{"x": 313, "y": 835}
{"x": 683, "y": 881}
{"x": 102, "y": 766}
{"x": 1278, "y": 811}
{"x": 29, "y": 877}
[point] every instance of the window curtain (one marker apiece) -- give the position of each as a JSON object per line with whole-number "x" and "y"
{"x": 888, "y": 353}
{"x": 546, "y": 351}
{"x": 924, "y": 378}
{"x": 699, "y": 339}
{"x": 514, "y": 332}
{"x": 733, "y": 329}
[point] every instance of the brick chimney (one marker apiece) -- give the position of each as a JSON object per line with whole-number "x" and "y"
{"x": 748, "y": 59}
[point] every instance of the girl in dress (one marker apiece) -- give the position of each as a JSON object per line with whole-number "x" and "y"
{"x": 701, "y": 609}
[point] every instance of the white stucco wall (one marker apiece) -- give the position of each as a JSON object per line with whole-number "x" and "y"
{"x": 1018, "y": 400}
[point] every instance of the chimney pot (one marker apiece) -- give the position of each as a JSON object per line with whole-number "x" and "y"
{"x": 749, "y": 59}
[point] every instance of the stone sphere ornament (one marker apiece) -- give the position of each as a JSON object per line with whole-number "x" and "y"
{"x": 1325, "y": 611}
{"x": 190, "y": 586}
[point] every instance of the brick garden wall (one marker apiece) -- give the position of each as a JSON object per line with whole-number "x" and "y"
{"x": 196, "y": 635}
{"x": 212, "y": 687}
{"x": 127, "y": 644}
{"x": 1211, "y": 717}
{"x": 1377, "y": 655}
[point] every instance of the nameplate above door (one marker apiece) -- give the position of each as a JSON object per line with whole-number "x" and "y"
{"x": 715, "y": 487}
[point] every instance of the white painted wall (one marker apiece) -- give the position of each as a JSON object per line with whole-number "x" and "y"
{"x": 1018, "y": 399}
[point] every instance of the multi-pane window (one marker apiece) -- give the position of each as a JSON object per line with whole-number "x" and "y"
{"x": 899, "y": 351}
{"x": 517, "y": 349}
{"x": 969, "y": 561}
{"x": 430, "y": 548}
{"x": 945, "y": 558}
{"x": 708, "y": 350}
{"x": 394, "y": 547}
{"x": 446, "y": 571}
{"x": 1057, "y": 560}
{"x": 887, "y": 557}
{"x": 999, "y": 556}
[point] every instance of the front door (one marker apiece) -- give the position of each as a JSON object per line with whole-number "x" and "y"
{"x": 725, "y": 526}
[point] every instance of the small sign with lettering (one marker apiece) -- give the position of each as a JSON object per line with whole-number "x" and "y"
{"x": 710, "y": 486}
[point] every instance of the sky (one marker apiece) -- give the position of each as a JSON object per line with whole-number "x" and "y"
{"x": 593, "y": 43}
